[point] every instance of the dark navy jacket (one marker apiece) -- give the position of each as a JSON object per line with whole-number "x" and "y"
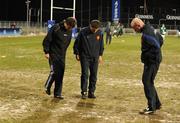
{"x": 89, "y": 44}
{"x": 57, "y": 41}
{"x": 151, "y": 45}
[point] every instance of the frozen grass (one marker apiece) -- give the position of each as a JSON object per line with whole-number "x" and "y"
{"x": 120, "y": 96}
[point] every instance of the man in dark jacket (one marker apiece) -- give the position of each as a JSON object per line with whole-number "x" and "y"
{"x": 108, "y": 33}
{"x": 88, "y": 48}
{"x": 151, "y": 42}
{"x": 55, "y": 45}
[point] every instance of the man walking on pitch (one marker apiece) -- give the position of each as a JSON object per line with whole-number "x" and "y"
{"x": 88, "y": 49}
{"x": 151, "y": 42}
{"x": 55, "y": 45}
{"x": 108, "y": 33}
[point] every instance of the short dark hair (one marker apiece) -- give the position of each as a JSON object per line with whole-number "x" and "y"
{"x": 71, "y": 21}
{"x": 95, "y": 24}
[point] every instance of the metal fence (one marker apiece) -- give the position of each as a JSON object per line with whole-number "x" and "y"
{"x": 37, "y": 29}
{"x": 31, "y": 28}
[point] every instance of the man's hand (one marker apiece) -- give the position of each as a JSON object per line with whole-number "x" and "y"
{"x": 77, "y": 58}
{"x": 100, "y": 60}
{"x": 47, "y": 55}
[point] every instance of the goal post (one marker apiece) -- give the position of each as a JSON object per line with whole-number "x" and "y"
{"x": 63, "y": 8}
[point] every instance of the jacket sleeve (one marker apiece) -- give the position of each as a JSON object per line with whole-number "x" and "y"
{"x": 47, "y": 41}
{"x": 77, "y": 44}
{"x": 152, "y": 41}
{"x": 101, "y": 45}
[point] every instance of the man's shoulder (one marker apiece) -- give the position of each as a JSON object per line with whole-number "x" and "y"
{"x": 148, "y": 29}
{"x": 84, "y": 29}
{"x": 55, "y": 27}
{"x": 100, "y": 30}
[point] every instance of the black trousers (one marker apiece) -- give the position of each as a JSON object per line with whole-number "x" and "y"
{"x": 57, "y": 68}
{"x": 149, "y": 74}
{"x": 108, "y": 38}
{"x": 88, "y": 65}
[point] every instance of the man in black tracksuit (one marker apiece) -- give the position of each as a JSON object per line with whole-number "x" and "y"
{"x": 151, "y": 56}
{"x": 55, "y": 45}
{"x": 88, "y": 48}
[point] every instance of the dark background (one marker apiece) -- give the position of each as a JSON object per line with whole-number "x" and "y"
{"x": 15, "y": 10}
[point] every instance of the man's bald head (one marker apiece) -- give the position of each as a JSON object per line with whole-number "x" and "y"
{"x": 137, "y": 24}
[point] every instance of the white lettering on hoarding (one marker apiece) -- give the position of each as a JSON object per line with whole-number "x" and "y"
{"x": 168, "y": 17}
{"x": 116, "y": 10}
{"x": 144, "y": 16}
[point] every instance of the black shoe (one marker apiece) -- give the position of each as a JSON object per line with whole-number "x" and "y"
{"x": 147, "y": 111}
{"x": 91, "y": 95}
{"x": 59, "y": 97}
{"x": 83, "y": 95}
{"x": 48, "y": 91}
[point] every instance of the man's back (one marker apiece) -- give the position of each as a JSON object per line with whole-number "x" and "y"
{"x": 57, "y": 40}
{"x": 151, "y": 44}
